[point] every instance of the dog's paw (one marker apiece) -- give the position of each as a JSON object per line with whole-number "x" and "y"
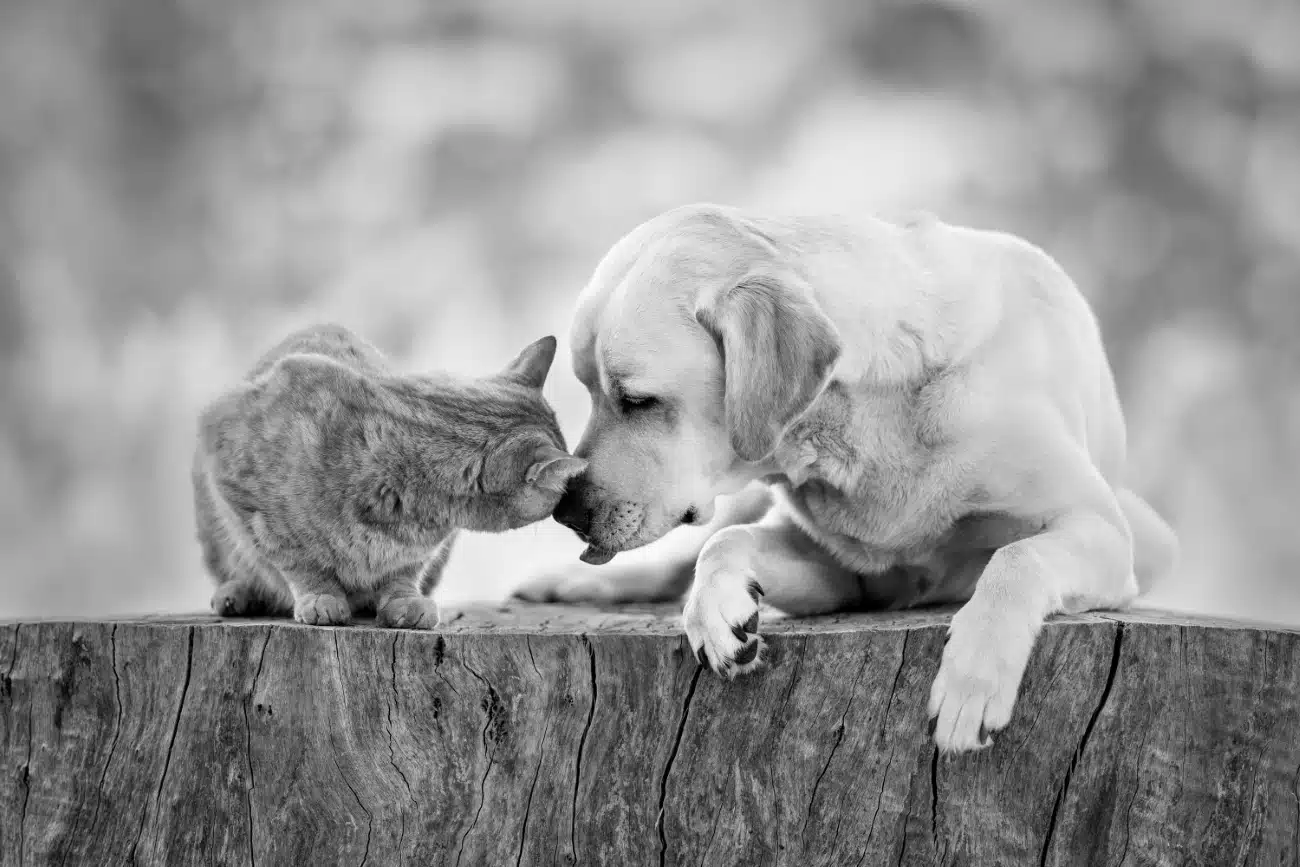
{"x": 539, "y": 588}
{"x": 721, "y": 620}
{"x": 408, "y": 612}
{"x": 562, "y": 586}
{"x": 322, "y": 609}
{"x": 236, "y": 599}
{"x": 974, "y": 693}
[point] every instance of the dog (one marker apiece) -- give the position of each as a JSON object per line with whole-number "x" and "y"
{"x": 891, "y": 414}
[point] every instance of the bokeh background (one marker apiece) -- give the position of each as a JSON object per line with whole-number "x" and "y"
{"x": 183, "y": 181}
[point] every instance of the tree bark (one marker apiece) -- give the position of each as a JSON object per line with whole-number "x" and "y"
{"x": 551, "y": 735}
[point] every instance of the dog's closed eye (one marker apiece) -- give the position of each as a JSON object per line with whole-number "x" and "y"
{"x": 635, "y": 403}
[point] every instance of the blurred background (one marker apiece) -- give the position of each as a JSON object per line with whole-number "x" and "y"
{"x": 182, "y": 182}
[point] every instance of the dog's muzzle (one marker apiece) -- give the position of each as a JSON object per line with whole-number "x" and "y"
{"x": 606, "y": 527}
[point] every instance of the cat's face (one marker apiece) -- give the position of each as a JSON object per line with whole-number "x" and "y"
{"x": 484, "y": 454}
{"x": 523, "y": 476}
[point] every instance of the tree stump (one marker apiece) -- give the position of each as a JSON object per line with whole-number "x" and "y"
{"x": 547, "y": 735}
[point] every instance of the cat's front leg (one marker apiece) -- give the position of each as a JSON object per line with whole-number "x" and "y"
{"x": 318, "y": 598}
{"x": 401, "y": 605}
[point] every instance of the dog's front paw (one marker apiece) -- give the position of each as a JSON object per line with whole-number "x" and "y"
{"x": 721, "y": 620}
{"x": 322, "y": 609}
{"x": 975, "y": 690}
{"x": 408, "y": 612}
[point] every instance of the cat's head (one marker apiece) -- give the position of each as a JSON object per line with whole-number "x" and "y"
{"x": 487, "y": 453}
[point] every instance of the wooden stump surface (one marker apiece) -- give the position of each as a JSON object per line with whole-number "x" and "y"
{"x": 546, "y": 735}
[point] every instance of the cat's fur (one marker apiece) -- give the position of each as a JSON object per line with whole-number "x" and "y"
{"x": 324, "y": 484}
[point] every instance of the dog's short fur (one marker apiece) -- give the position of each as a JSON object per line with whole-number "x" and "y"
{"x": 930, "y": 405}
{"x": 325, "y": 484}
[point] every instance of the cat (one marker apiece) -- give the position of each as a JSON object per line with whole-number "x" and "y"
{"x": 325, "y": 485}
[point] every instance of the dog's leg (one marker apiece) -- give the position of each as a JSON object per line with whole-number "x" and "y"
{"x": 661, "y": 579}
{"x": 772, "y": 558}
{"x": 1081, "y": 560}
{"x": 662, "y": 576}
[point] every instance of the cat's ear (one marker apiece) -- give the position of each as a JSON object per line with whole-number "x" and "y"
{"x": 552, "y": 469}
{"x": 531, "y": 366}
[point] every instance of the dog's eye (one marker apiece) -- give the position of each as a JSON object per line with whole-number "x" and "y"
{"x": 632, "y": 403}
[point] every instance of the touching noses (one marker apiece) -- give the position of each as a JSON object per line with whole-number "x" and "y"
{"x": 572, "y": 510}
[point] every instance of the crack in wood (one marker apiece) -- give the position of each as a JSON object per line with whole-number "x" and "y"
{"x": 528, "y": 805}
{"x": 794, "y": 676}
{"x": 117, "y": 730}
{"x": 392, "y": 752}
{"x": 668, "y": 766}
{"x": 27, "y": 764}
{"x": 439, "y": 653}
{"x": 490, "y": 707}
{"x": 370, "y": 819}
{"x": 582, "y": 744}
{"x": 248, "y": 751}
{"x": 1063, "y": 792}
{"x": 1137, "y": 784}
{"x": 839, "y": 738}
{"x": 171, "y": 744}
{"x": 27, "y": 790}
{"x": 902, "y": 850}
{"x": 528, "y": 643}
{"x": 6, "y": 685}
{"x": 889, "y": 762}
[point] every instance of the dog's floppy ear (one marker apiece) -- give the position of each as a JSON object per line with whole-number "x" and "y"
{"x": 532, "y": 365}
{"x": 778, "y": 349}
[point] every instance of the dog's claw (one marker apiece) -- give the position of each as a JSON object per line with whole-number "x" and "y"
{"x": 740, "y": 633}
{"x": 933, "y": 725}
{"x": 701, "y": 657}
{"x": 755, "y": 590}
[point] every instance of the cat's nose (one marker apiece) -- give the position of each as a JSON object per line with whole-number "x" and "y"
{"x": 573, "y": 513}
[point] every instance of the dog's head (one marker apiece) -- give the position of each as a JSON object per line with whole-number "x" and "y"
{"x": 699, "y": 346}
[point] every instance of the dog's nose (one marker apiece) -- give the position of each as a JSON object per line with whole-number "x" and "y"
{"x": 573, "y": 513}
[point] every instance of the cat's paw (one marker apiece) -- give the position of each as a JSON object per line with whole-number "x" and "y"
{"x": 408, "y": 612}
{"x": 322, "y": 609}
{"x": 236, "y": 599}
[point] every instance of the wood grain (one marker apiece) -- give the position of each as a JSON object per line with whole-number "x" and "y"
{"x": 547, "y": 735}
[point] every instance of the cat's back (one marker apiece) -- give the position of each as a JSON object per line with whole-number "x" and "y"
{"x": 332, "y": 341}
{"x": 272, "y": 420}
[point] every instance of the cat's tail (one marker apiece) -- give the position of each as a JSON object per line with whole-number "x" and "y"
{"x": 432, "y": 572}
{"x": 1155, "y": 546}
